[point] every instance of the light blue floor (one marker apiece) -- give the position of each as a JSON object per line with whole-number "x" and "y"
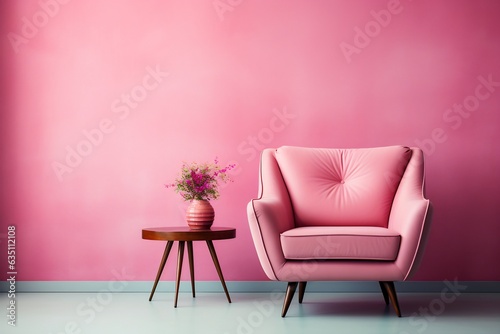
{"x": 94, "y": 313}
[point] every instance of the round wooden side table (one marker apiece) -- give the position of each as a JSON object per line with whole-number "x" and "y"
{"x": 184, "y": 234}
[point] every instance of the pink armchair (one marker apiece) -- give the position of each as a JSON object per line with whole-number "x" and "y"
{"x": 340, "y": 215}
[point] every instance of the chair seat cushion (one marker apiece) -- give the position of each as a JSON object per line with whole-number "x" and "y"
{"x": 340, "y": 243}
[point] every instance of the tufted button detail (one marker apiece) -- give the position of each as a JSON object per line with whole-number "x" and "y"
{"x": 342, "y": 181}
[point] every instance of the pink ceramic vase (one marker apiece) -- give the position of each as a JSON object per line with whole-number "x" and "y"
{"x": 200, "y": 215}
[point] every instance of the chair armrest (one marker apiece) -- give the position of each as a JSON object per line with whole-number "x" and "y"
{"x": 411, "y": 215}
{"x": 270, "y": 214}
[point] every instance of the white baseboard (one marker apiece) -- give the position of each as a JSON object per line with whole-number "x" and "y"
{"x": 245, "y": 286}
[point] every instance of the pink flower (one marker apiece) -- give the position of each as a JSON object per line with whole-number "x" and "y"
{"x": 200, "y": 181}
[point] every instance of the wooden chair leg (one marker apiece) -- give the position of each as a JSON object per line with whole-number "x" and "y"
{"x": 302, "y": 290}
{"x": 290, "y": 291}
{"x": 391, "y": 292}
{"x": 384, "y": 292}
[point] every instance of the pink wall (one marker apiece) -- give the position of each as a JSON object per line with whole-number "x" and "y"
{"x": 137, "y": 87}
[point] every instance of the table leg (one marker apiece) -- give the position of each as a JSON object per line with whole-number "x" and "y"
{"x": 162, "y": 265}
{"x": 191, "y": 265}
{"x": 180, "y": 257}
{"x": 217, "y": 266}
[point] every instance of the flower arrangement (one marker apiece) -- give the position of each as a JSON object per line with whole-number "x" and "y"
{"x": 200, "y": 181}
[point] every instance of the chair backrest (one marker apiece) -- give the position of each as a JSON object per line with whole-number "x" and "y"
{"x": 342, "y": 187}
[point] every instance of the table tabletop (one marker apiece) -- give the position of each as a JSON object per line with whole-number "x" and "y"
{"x": 184, "y": 233}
